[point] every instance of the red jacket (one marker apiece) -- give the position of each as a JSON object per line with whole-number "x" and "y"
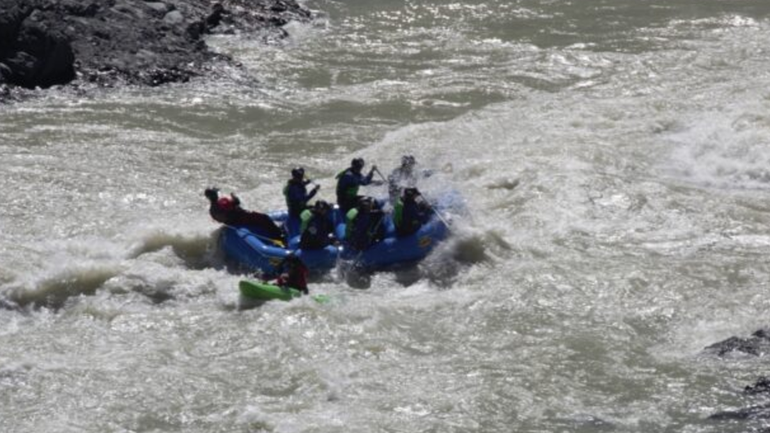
{"x": 228, "y": 211}
{"x": 295, "y": 277}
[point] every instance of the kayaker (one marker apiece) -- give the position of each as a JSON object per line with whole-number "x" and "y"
{"x": 317, "y": 227}
{"x": 410, "y": 212}
{"x": 294, "y": 274}
{"x": 364, "y": 226}
{"x": 348, "y": 182}
{"x": 405, "y": 176}
{"x": 296, "y": 193}
{"x": 228, "y": 211}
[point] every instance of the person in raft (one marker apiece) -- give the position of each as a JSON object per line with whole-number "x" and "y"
{"x": 293, "y": 273}
{"x": 410, "y": 212}
{"x": 364, "y": 226}
{"x": 228, "y": 211}
{"x": 348, "y": 182}
{"x": 317, "y": 227}
{"x": 405, "y": 176}
{"x": 296, "y": 193}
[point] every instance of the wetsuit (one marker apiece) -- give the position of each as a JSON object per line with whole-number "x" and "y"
{"x": 404, "y": 177}
{"x": 316, "y": 230}
{"x": 295, "y": 277}
{"x": 364, "y": 228}
{"x": 228, "y": 211}
{"x": 409, "y": 215}
{"x": 348, "y": 183}
{"x": 297, "y": 196}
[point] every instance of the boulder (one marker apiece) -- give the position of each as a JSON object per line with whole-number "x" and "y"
{"x": 39, "y": 58}
{"x": 108, "y": 42}
{"x": 173, "y": 18}
{"x": 158, "y": 7}
{"x": 758, "y": 344}
{"x": 761, "y": 386}
{"x": 749, "y": 413}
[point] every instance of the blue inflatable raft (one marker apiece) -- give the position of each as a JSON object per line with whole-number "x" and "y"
{"x": 256, "y": 252}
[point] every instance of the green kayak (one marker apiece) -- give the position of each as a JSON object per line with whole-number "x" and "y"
{"x": 265, "y": 292}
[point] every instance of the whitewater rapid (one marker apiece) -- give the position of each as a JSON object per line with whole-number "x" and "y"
{"x": 613, "y": 158}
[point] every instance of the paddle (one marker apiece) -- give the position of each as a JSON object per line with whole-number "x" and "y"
{"x": 440, "y": 217}
{"x": 313, "y": 183}
{"x": 384, "y": 180}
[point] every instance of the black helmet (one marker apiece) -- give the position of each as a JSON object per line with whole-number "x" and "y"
{"x": 411, "y": 192}
{"x": 211, "y": 193}
{"x": 357, "y": 163}
{"x": 407, "y": 161}
{"x": 366, "y": 203}
{"x": 298, "y": 173}
{"x": 321, "y": 205}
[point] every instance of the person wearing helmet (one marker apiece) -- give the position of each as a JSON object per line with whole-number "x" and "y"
{"x": 404, "y": 177}
{"x": 364, "y": 226}
{"x": 410, "y": 212}
{"x": 348, "y": 182}
{"x": 228, "y": 211}
{"x": 220, "y": 208}
{"x": 293, "y": 273}
{"x": 296, "y": 193}
{"x": 317, "y": 230}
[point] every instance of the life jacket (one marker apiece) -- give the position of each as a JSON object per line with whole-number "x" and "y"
{"x": 315, "y": 230}
{"x": 295, "y": 205}
{"x": 346, "y": 193}
{"x": 364, "y": 229}
{"x": 407, "y": 217}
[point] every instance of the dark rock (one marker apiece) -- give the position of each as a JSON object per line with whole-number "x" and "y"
{"x": 10, "y": 23}
{"x": 279, "y": 6}
{"x": 108, "y": 42}
{"x": 198, "y": 28}
{"x": 755, "y": 412}
{"x": 749, "y": 413}
{"x": 5, "y": 73}
{"x": 195, "y": 30}
{"x": 761, "y": 386}
{"x": 78, "y": 9}
{"x": 757, "y": 345}
{"x": 156, "y": 77}
{"x": 41, "y": 58}
{"x": 215, "y": 17}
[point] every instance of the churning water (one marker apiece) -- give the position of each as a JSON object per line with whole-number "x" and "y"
{"x": 615, "y": 160}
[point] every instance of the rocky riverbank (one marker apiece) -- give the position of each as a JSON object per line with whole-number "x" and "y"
{"x": 44, "y": 43}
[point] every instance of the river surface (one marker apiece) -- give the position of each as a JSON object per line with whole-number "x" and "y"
{"x": 615, "y": 160}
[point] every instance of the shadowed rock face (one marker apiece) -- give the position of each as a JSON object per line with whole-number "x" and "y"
{"x": 761, "y": 388}
{"x": 49, "y": 42}
{"x": 757, "y": 344}
{"x": 32, "y": 53}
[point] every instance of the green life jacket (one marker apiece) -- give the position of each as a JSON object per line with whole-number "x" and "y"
{"x": 398, "y": 213}
{"x": 305, "y": 218}
{"x": 349, "y": 219}
{"x": 348, "y": 193}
